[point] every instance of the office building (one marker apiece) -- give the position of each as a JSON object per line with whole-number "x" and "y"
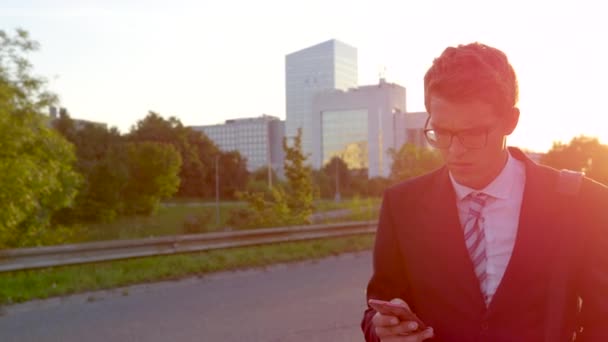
{"x": 56, "y": 113}
{"x": 361, "y": 124}
{"x": 410, "y": 129}
{"x": 258, "y": 139}
{"x": 326, "y": 66}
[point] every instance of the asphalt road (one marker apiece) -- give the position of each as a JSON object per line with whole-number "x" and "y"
{"x": 310, "y": 301}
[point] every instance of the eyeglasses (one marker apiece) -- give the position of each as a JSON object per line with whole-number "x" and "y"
{"x": 474, "y": 138}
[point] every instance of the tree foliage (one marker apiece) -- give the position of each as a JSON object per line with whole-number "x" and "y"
{"x": 290, "y": 203}
{"x": 193, "y": 172}
{"x": 198, "y": 154}
{"x": 121, "y": 178}
{"x": 411, "y": 161}
{"x": 583, "y": 153}
{"x": 299, "y": 194}
{"x": 336, "y": 177}
{"x": 36, "y": 164}
{"x": 103, "y": 166}
{"x": 233, "y": 174}
{"x": 153, "y": 174}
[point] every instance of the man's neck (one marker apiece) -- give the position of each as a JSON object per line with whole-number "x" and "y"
{"x": 495, "y": 172}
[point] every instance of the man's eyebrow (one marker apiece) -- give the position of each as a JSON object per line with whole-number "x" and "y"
{"x": 475, "y": 128}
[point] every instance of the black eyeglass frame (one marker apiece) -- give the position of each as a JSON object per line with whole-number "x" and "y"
{"x": 484, "y": 132}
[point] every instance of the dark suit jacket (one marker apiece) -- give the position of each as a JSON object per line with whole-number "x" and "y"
{"x": 560, "y": 254}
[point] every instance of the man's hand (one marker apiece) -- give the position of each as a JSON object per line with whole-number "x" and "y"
{"x": 390, "y": 329}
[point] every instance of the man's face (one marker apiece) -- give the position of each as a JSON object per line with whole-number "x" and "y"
{"x": 473, "y": 160}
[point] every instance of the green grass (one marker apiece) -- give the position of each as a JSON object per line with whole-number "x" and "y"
{"x": 195, "y": 200}
{"x": 360, "y": 215}
{"x": 349, "y": 203}
{"x": 169, "y": 220}
{"x": 361, "y": 210}
{"x": 22, "y": 286}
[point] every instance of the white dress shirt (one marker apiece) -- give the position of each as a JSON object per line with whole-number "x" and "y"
{"x": 500, "y": 217}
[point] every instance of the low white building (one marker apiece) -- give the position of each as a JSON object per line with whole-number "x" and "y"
{"x": 361, "y": 124}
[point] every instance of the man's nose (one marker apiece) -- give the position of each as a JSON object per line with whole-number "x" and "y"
{"x": 456, "y": 147}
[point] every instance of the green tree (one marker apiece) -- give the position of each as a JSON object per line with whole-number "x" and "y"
{"x": 153, "y": 175}
{"x": 411, "y": 161}
{"x": 198, "y": 153}
{"x": 376, "y": 186}
{"x": 103, "y": 163}
{"x": 322, "y": 184}
{"x": 234, "y": 174}
{"x": 202, "y": 185}
{"x": 36, "y": 172}
{"x": 193, "y": 172}
{"x": 258, "y": 182}
{"x": 583, "y": 153}
{"x": 289, "y": 204}
{"x": 121, "y": 178}
{"x": 299, "y": 194}
{"x": 339, "y": 178}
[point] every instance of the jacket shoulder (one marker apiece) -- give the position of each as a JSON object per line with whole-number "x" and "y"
{"x": 415, "y": 185}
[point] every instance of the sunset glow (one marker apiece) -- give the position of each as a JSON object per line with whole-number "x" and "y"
{"x": 209, "y": 62}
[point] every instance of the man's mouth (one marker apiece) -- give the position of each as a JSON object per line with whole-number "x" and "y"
{"x": 460, "y": 165}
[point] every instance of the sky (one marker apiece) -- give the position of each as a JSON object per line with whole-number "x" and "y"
{"x": 208, "y": 61}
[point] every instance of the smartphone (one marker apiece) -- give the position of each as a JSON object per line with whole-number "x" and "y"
{"x": 392, "y": 309}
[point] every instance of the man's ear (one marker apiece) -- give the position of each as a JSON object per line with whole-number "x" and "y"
{"x": 511, "y": 120}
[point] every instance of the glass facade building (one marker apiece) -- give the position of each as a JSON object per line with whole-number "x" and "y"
{"x": 345, "y": 136}
{"x": 362, "y": 124}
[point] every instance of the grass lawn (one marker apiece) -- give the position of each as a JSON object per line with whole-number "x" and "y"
{"x": 169, "y": 220}
{"x": 350, "y": 203}
{"x": 171, "y": 216}
{"x": 22, "y": 286}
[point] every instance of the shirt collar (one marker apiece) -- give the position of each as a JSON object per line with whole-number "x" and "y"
{"x": 500, "y": 187}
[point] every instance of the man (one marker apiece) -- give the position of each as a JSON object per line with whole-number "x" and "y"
{"x": 490, "y": 247}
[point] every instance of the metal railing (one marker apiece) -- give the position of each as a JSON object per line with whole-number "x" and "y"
{"x": 52, "y": 256}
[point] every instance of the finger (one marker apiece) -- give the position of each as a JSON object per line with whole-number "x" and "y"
{"x": 420, "y": 336}
{"x": 417, "y": 337}
{"x": 403, "y": 328}
{"x": 381, "y": 320}
{"x": 385, "y": 331}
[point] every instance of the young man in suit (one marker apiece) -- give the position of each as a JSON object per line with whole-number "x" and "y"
{"x": 492, "y": 246}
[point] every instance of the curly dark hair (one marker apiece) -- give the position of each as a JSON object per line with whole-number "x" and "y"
{"x": 472, "y": 72}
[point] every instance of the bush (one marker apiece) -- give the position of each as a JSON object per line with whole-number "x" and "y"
{"x": 197, "y": 223}
{"x": 242, "y": 218}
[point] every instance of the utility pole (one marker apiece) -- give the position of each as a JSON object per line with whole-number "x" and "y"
{"x": 337, "y": 198}
{"x": 217, "y": 190}
{"x": 269, "y": 176}
{"x": 269, "y": 159}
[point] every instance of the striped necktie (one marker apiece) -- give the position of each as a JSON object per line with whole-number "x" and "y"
{"x": 475, "y": 239}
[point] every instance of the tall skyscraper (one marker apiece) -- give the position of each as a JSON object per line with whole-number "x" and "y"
{"x": 326, "y": 66}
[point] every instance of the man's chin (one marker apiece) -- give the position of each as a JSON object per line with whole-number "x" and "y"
{"x": 462, "y": 170}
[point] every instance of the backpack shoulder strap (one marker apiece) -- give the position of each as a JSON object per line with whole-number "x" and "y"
{"x": 567, "y": 188}
{"x": 569, "y": 182}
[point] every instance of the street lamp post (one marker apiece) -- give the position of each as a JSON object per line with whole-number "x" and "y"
{"x": 269, "y": 161}
{"x": 217, "y": 190}
{"x": 337, "y": 197}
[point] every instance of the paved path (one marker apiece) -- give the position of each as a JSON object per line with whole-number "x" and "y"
{"x": 310, "y": 301}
